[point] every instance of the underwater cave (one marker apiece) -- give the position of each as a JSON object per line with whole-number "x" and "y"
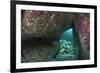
{"x": 54, "y": 36}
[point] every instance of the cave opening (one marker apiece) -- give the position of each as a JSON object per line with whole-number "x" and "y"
{"x": 52, "y": 36}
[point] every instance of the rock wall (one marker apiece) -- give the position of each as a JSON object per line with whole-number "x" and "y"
{"x": 82, "y": 25}
{"x": 44, "y": 24}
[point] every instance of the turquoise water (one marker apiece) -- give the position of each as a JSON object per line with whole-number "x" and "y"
{"x": 67, "y": 35}
{"x": 67, "y": 51}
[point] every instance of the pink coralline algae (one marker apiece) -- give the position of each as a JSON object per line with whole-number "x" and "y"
{"x": 83, "y": 28}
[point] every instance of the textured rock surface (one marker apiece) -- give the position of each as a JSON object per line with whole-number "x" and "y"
{"x": 82, "y": 24}
{"x": 44, "y": 23}
{"x": 38, "y": 49}
{"x": 38, "y": 52}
